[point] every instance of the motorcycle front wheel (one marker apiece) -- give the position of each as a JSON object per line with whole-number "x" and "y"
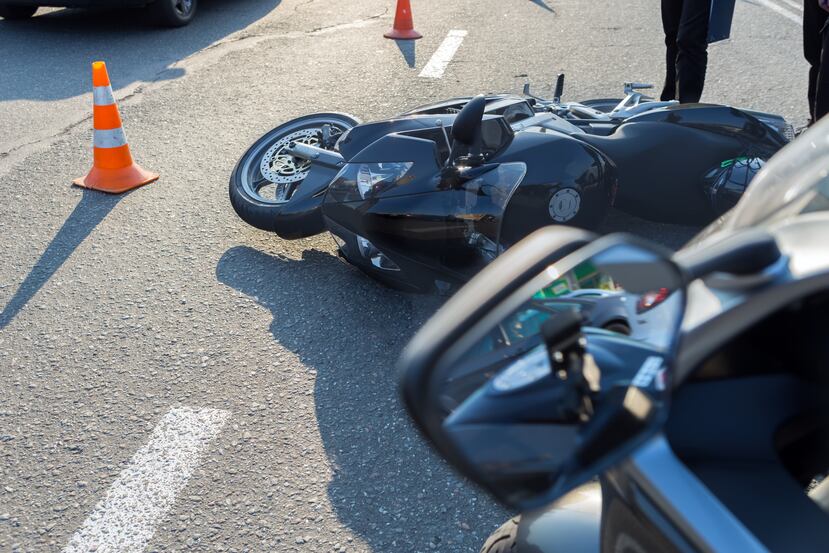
{"x": 266, "y": 177}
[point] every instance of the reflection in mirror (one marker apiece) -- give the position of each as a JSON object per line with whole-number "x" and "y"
{"x": 562, "y": 374}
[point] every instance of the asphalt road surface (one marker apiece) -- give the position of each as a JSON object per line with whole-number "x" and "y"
{"x": 173, "y": 379}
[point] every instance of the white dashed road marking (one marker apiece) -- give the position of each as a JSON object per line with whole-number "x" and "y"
{"x": 443, "y": 55}
{"x": 791, "y": 3}
{"x": 125, "y": 520}
{"x": 791, "y": 16}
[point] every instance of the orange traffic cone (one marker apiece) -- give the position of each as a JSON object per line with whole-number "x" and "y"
{"x": 113, "y": 169}
{"x": 403, "y": 28}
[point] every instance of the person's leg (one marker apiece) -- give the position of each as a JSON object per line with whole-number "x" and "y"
{"x": 811, "y": 49}
{"x": 671, "y": 12}
{"x": 822, "y": 85}
{"x": 692, "y": 43}
{"x": 813, "y": 20}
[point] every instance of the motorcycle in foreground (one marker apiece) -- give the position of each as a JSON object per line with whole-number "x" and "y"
{"x": 424, "y": 200}
{"x": 704, "y": 428}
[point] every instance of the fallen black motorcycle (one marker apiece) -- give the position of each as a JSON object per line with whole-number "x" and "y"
{"x": 424, "y": 200}
{"x": 704, "y": 427}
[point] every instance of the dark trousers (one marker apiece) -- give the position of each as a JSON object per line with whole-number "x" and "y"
{"x": 685, "y": 23}
{"x": 816, "y": 50}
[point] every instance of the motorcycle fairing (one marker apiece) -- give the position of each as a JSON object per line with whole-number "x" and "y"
{"x": 554, "y": 161}
{"x": 512, "y": 107}
{"x": 424, "y": 224}
{"x": 570, "y": 525}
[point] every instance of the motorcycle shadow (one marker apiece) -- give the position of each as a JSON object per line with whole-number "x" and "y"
{"x": 387, "y": 485}
{"x": 669, "y": 235}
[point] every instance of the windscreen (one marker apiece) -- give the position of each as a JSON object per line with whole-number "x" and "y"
{"x": 795, "y": 181}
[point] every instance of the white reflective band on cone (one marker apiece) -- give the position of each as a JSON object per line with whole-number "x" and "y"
{"x": 102, "y": 95}
{"x": 112, "y": 138}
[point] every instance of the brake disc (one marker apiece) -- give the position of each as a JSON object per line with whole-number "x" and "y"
{"x": 280, "y": 167}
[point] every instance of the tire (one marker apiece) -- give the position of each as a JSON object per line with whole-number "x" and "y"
{"x": 15, "y": 13}
{"x": 504, "y": 539}
{"x": 173, "y": 13}
{"x": 249, "y": 188}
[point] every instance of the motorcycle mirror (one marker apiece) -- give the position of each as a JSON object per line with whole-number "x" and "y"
{"x": 549, "y": 366}
{"x": 559, "y": 90}
{"x": 467, "y": 125}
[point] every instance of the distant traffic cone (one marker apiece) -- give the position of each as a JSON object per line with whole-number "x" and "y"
{"x": 403, "y": 28}
{"x": 113, "y": 169}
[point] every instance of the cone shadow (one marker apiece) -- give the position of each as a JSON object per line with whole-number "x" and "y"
{"x": 92, "y": 208}
{"x": 543, "y": 4}
{"x": 408, "y": 49}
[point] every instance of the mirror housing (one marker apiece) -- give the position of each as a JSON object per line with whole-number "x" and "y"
{"x": 531, "y": 417}
{"x": 467, "y": 125}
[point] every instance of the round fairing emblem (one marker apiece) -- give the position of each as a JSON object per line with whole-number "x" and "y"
{"x": 564, "y": 205}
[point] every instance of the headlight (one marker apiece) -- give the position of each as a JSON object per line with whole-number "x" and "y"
{"x": 377, "y": 258}
{"x": 368, "y": 179}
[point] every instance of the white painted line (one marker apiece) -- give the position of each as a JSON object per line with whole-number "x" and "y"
{"x": 781, "y": 10}
{"x": 125, "y": 520}
{"x": 793, "y": 4}
{"x": 443, "y": 55}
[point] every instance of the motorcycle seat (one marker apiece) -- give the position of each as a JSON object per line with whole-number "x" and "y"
{"x": 661, "y": 167}
{"x": 644, "y": 143}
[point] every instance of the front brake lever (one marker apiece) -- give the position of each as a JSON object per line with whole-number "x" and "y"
{"x": 326, "y": 136}
{"x": 571, "y": 364}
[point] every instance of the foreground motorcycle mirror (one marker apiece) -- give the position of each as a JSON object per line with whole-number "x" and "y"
{"x": 549, "y": 366}
{"x": 467, "y": 125}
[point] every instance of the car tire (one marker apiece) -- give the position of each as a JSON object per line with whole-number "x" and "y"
{"x": 504, "y": 539}
{"x": 13, "y": 12}
{"x": 173, "y": 13}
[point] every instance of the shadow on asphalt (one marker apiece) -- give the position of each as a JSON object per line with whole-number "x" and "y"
{"x": 409, "y": 50}
{"x": 125, "y": 39}
{"x": 670, "y": 236}
{"x": 543, "y": 4}
{"x": 90, "y": 211}
{"x": 387, "y": 486}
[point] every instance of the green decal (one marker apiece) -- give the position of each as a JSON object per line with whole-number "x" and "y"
{"x": 730, "y": 162}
